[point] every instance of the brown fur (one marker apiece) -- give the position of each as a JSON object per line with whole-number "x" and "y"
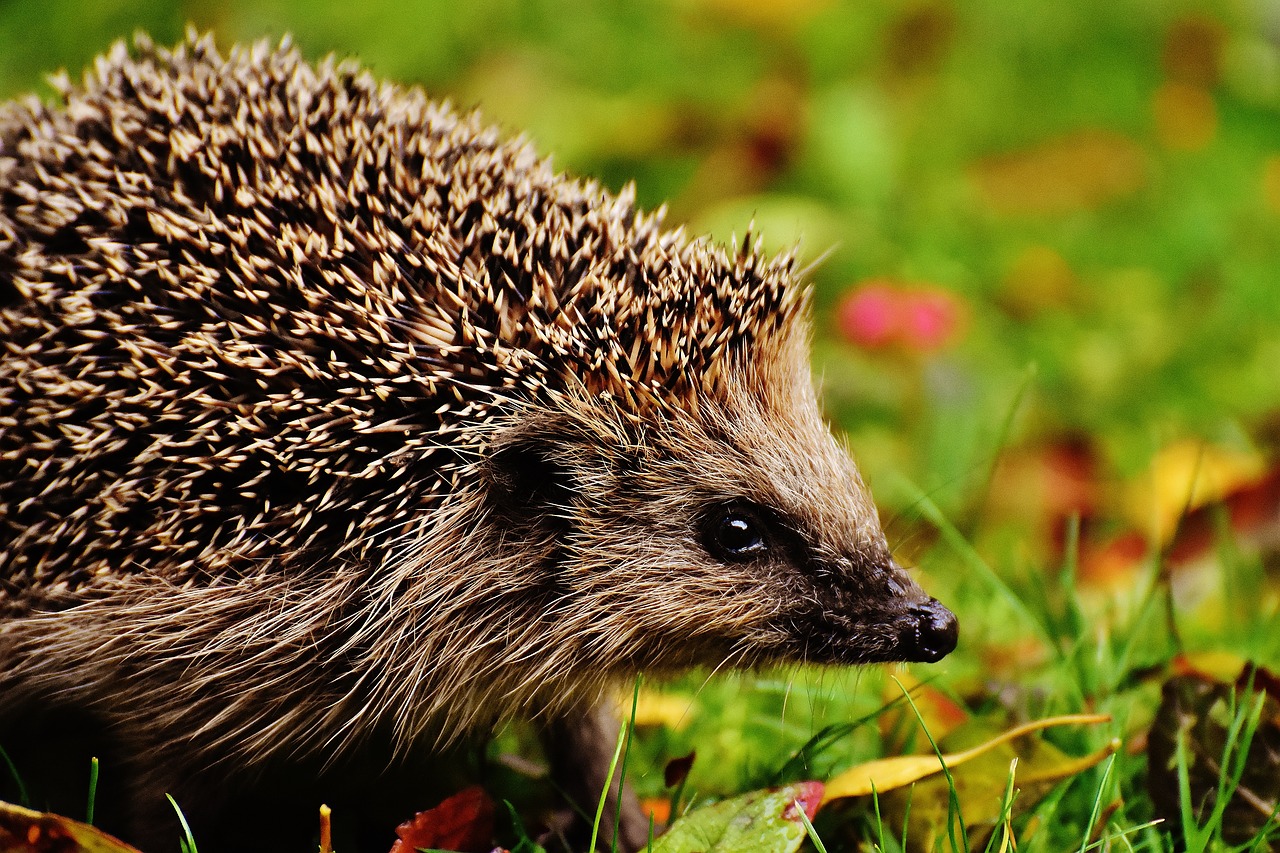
{"x": 323, "y": 413}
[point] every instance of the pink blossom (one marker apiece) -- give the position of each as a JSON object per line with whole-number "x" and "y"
{"x": 869, "y": 316}
{"x": 929, "y": 319}
{"x": 881, "y": 314}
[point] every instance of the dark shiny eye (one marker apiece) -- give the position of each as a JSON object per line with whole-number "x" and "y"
{"x": 735, "y": 533}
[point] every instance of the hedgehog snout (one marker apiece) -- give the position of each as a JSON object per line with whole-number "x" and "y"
{"x": 930, "y": 632}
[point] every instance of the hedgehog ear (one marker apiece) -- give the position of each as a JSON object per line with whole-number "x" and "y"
{"x": 526, "y": 479}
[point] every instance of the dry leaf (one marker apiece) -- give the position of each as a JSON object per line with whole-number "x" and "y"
{"x": 1196, "y": 709}
{"x": 26, "y": 831}
{"x": 462, "y": 822}
{"x": 885, "y": 774}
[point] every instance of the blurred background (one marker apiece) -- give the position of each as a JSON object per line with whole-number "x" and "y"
{"x": 1044, "y": 240}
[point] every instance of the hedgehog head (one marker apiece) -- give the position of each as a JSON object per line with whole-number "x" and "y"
{"x": 695, "y": 509}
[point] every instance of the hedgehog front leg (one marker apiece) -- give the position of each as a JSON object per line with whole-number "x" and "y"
{"x": 579, "y": 748}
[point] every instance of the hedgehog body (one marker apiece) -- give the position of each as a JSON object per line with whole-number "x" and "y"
{"x": 323, "y": 410}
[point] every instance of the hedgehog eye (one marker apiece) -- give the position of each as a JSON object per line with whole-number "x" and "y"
{"x": 735, "y": 533}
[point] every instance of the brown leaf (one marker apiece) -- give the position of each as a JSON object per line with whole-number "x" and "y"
{"x": 1193, "y": 50}
{"x": 1197, "y": 707}
{"x": 677, "y": 769}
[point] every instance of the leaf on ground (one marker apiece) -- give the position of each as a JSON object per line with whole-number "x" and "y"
{"x": 981, "y": 781}
{"x": 765, "y": 821}
{"x": 1048, "y": 484}
{"x": 38, "y": 832}
{"x": 657, "y": 808}
{"x": 1038, "y": 280}
{"x": 1186, "y": 116}
{"x": 938, "y": 712}
{"x": 654, "y": 708}
{"x": 677, "y": 769}
{"x": 885, "y": 774}
{"x": 1199, "y": 708}
{"x": 1271, "y": 183}
{"x": 463, "y": 822}
{"x": 1186, "y": 475}
{"x": 1215, "y": 665}
{"x": 1251, "y": 507}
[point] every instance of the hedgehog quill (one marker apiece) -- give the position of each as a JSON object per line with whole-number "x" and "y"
{"x": 331, "y": 422}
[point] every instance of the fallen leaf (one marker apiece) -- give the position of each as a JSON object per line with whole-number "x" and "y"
{"x": 1197, "y": 709}
{"x": 653, "y": 708}
{"x": 1193, "y": 49}
{"x": 657, "y": 808}
{"x": 917, "y": 42}
{"x": 885, "y": 774}
{"x": 1253, "y": 511}
{"x": 1110, "y": 565}
{"x": 1271, "y": 183}
{"x": 1185, "y": 475}
{"x": 1038, "y": 280}
{"x": 938, "y": 712}
{"x": 26, "y": 831}
{"x": 1209, "y": 666}
{"x": 677, "y": 769}
{"x": 463, "y": 822}
{"x": 758, "y": 822}
{"x": 981, "y": 782}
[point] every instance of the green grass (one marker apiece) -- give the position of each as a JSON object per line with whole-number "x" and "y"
{"x": 186, "y": 843}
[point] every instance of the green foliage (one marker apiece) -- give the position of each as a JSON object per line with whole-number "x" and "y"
{"x": 186, "y": 842}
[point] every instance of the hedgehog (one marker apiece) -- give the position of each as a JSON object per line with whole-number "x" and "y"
{"x": 333, "y": 423}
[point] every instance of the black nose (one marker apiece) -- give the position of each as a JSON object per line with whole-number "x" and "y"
{"x": 936, "y": 632}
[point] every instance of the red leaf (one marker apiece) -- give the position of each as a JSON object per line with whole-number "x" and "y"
{"x": 463, "y": 822}
{"x": 808, "y": 798}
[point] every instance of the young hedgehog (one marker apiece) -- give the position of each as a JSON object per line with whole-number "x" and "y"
{"x": 331, "y": 422}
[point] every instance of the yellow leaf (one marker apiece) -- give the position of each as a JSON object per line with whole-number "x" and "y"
{"x": 1185, "y": 475}
{"x": 1217, "y": 665}
{"x": 1069, "y": 767}
{"x": 660, "y": 709}
{"x": 1271, "y": 183}
{"x": 887, "y": 773}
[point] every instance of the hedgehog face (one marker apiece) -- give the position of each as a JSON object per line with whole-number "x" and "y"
{"x": 738, "y": 533}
